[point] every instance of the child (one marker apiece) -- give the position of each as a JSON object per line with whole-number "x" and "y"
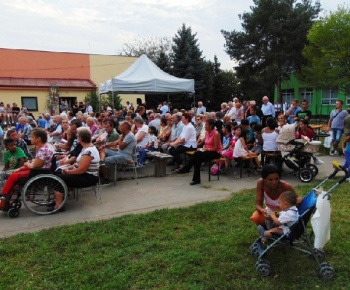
{"x": 228, "y": 154}
{"x": 12, "y": 134}
{"x": 24, "y": 109}
{"x": 14, "y": 158}
{"x": 258, "y": 147}
{"x": 346, "y": 151}
{"x": 241, "y": 148}
{"x": 226, "y": 138}
{"x": 152, "y": 145}
{"x": 288, "y": 216}
{"x": 253, "y": 117}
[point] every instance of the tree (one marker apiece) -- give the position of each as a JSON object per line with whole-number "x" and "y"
{"x": 187, "y": 60}
{"x": 152, "y": 46}
{"x": 274, "y": 34}
{"x": 328, "y": 52}
{"x": 93, "y": 99}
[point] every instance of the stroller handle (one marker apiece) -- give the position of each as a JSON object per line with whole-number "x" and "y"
{"x": 338, "y": 168}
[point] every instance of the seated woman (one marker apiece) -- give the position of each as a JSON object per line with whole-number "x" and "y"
{"x": 268, "y": 190}
{"x": 269, "y": 136}
{"x": 211, "y": 150}
{"x": 163, "y": 137}
{"x": 84, "y": 172}
{"x": 304, "y": 130}
{"x": 242, "y": 150}
{"x": 142, "y": 132}
{"x": 42, "y": 159}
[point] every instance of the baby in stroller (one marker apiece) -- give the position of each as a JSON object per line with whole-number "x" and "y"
{"x": 286, "y": 217}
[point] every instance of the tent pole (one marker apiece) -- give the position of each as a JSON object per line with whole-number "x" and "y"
{"x": 112, "y": 100}
{"x": 168, "y": 98}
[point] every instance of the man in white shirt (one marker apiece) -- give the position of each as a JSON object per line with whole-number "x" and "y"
{"x": 186, "y": 142}
{"x": 88, "y": 108}
{"x": 201, "y": 109}
{"x": 267, "y": 109}
{"x": 231, "y": 110}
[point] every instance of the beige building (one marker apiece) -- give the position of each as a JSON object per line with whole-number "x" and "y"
{"x": 26, "y": 76}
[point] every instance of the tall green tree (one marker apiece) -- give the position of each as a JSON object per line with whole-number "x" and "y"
{"x": 328, "y": 52}
{"x": 187, "y": 60}
{"x": 274, "y": 34}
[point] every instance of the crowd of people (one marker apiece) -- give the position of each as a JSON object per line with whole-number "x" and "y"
{"x": 91, "y": 142}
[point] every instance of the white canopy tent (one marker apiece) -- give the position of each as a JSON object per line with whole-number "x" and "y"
{"x": 143, "y": 77}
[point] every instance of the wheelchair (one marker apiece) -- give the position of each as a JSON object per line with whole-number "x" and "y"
{"x": 37, "y": 192}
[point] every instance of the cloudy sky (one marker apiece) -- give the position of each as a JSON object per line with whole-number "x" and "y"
{"x": 102, "y": 26}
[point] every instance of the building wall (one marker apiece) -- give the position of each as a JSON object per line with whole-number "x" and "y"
{"x": 317, "y": 107}
{"x": 104, "y": 67}
{"x": 14, "y": 96}
{"x": 19, "y": 63}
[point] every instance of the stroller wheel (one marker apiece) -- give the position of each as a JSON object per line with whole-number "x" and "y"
{"x": 254, "y": 250}
{"x": 320, "y": 254}
{"x": 263, "y": 269}
{"x": 13, "y": 212}
{"x": 313, "y": 168}
{"x": 326, "y": 271}
{"x": 305, "y": 175}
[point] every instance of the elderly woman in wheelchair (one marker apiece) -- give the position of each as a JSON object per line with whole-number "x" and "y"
{"x": 42, "y": 190}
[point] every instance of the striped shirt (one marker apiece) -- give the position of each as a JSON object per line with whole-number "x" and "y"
{"x": 95, "y": 162}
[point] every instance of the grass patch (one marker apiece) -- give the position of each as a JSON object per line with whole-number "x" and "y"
{"x": 202, "y": 246}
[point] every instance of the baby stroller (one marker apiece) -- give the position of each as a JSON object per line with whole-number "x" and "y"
{"x": 299, "y": 154}
{"x": 298, "y": 236}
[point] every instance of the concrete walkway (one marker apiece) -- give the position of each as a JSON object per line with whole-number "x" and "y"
{"x": 128, "y": 197}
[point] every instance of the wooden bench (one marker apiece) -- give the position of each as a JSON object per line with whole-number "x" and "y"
{"x": 159, "y": 162}
{"x": 215, "y": 161}
{"x": 242, "y": 162}
{"x": 272, "y": 155}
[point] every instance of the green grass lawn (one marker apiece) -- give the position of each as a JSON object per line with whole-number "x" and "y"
{"x": 202, "y": 246}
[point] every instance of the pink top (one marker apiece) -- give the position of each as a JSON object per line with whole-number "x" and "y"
{"x": 209, "y": 140}
{"x": 45, "y": 153}
{"x": 272, "y": 204}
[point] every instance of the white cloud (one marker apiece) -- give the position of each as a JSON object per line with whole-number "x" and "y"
{"x": 102, "y": 26}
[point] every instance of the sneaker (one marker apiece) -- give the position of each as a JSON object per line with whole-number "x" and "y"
{"x": 348, "y": 179}
{"x": 3, "y": 202}
{"x": 336, "y": 153}
{"x": 331, "y": 152}
{"x": 318, "y": 161}
{"x": 104, "y": 181}
{"x": 139, "y": 165}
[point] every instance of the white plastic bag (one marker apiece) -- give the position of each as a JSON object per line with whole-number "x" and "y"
{"x": 321, "y": 221}
{"x": 328, "y": 140}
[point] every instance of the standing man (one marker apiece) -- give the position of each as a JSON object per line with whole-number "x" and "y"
{"x": 201, "y": 109}
{"x": 164, "y": 109}
{"x": 305, "y": 113}
{"x": 293, "y": 111}
{"x": 89, "y": 108}
{"x": 267, "y": 110}
{"x": 336, "y": 124}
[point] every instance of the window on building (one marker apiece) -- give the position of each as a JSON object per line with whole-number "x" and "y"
{"x": 306, "y": 94}
{"x": 348, "y": 99}
{"x": 31, "y": 103}
{"x": 329, "y": 97}
{"x": 288, "y": 96}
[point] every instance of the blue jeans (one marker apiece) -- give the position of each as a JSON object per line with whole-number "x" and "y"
{"x": 143, "y": 153}
{"x": 336, "y": 135}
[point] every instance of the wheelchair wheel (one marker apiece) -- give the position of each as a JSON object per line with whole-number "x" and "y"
{"x": 305, "y": 175}
{"x": 38, "y": 193}
{"x": 13, "y": 212}
{"x": 313, "y": 168}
